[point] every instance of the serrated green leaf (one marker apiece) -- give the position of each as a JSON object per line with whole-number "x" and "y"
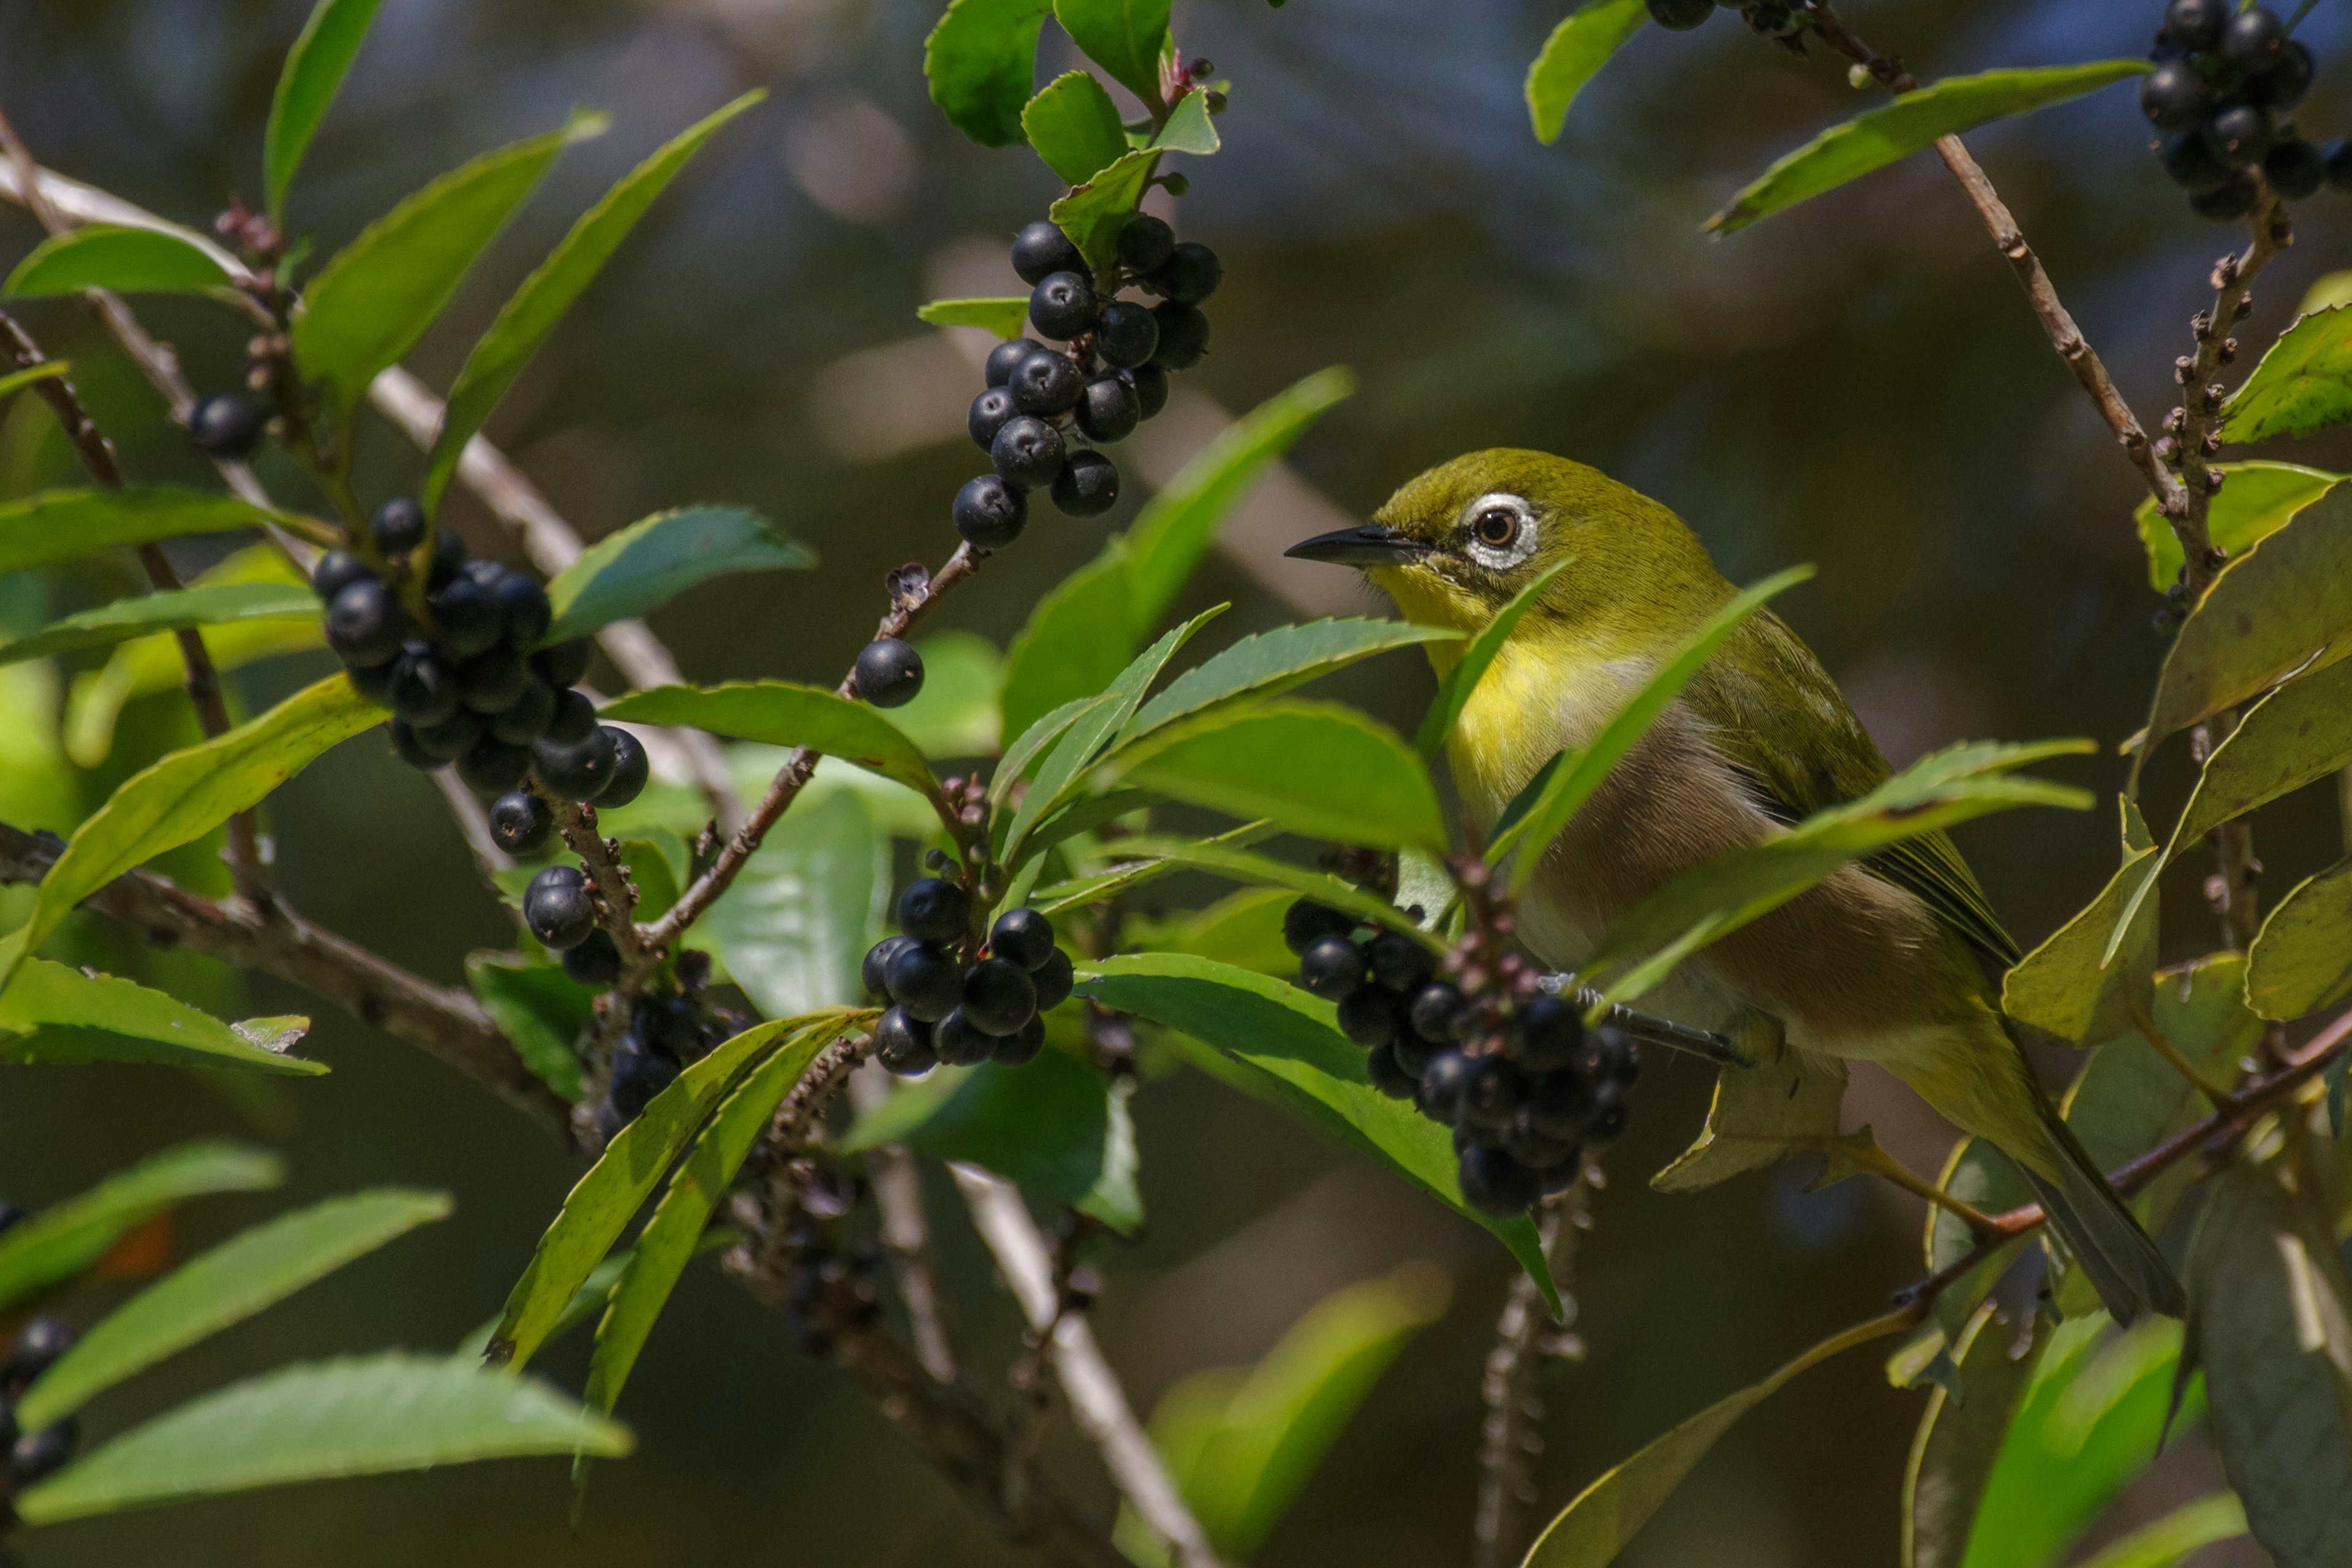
{"x": 526, "y": 321}
{"x": 226, "y": 1285}
{"x": 1264, "y": 664}
{"x": 1093, "y": 214}
{"x": 1300, "y": 1061}
{"x": 1455, "y": 685}
{"x": 540, "y": 1009}
{"x": 356, "y": 1415}
{"x": 1006, "y": 317}
{"x": 2303, "y": 383}
{"x": 1872, "y": 139}
{"x": 126, "y": 260}
{"x": 1077, "y": 640}
{"x": 1574, "y": 55}
{"x": 1315, "y": 768}
{"x": 1034, "y": 743}
{"x": 979, "y": 61}
{"x": 1123, "y": 36}
{"x": 2301, "y": 960}
{"x": 779, "y": 713}
{"x": 65, "y": 525}
{"x": 798, "y": 920}
{"x": 2171, "y": 1540}
{"x": 642, "y": 567}
{"x": 188, "y": 794}
{"x": 54, "y": 1012}
{"x": 374, "y": 297}
{"x": 61, "y": 1241}
{"x": 307, "y": 86}
{"x": 1190, "y": 127}
{"x": 171, "y": 610}
{"x": 2254, "y": 500}
{"x": 1074, "y": 126}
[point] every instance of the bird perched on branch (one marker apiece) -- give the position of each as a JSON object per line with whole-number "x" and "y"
{"x": 1895, "y": 959}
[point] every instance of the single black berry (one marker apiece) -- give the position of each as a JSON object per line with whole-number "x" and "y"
{"x": 889, "y": 672}
{"x": 572, "y": 718}
{"x": 596, "y": 961}
{"x": 988, "y": 512}
{"x": 1561, "y": 1178}
{"x": 398, "y": 526}
{"x": 39, "y": 1345}
{"x": 638, "y": 1075}
{"x": 925, "y": 981}
{"x": 1680, "y": 16}
{"x": 493, "y": 682}
{"x": 903, "y": 1044}
{"x": 1333, "y": 968}
{"x": 1493, "y": 1092}
{"x": 1306, "y": 923}
{"x": 631, "y": 769}
{"x": 1053, "y": 979}
{"x": 875, "y": 969}
{"x": 960, "y": 1042}
{"x": 1183, "y": 336}
{"x": 2173, "y": 96}
{"x": 2296, "y": 169}
{"x": 2285, "y": 83}
{"x": 1019, "y": 1048}
{"x": 2252, "y": 41}
{"x": 1440, "y": 1013}
{"x": 425, "y": 685}
{"x": 2239, "y": 135}
{"x": 1046, "y": 384}
{"x": 1388, "y": 1074}
{"x": 336, "y": 571}
{"x": 2232, "y": 201}
{"x": 467, "y": 620}
{"x": 1109, "y": 409}
{"x": 988, "y": 413}
{"x": 2197, "y": 24}
{"x": 1042, "y": 249}
{"x": 527, "y": 614}
{"x": 225, "y": 426}
{"x": 1126, "y": 334}
{"x": 999, "y": 997}
{"x": 1492, "y": 1181}
{"x": 1191, "y": 272}
{"x": 1551, "y": 1034}
{"x": 1144, "y": 243}
{"x": 1151, "y": 384}
{"x": 579, "y": 771}
{"x": 2190, "y": 162}
{"x": 1088, "y": 485}
{"x": 492, "y": 766}
{"x": 1004, "y": 356}
{"x": 1398, "y": 963}
{"x": 1440, "y": 1085}
{"x": 453, "y": 737}
{"x": 562, "y": 665}
{"x": 36, "y": 1454}
{"x": 558, "y": 908}
{"x": 1368, "y": 1016}
{"x": 1061, "y": 306}
{"x": 520, "y": 823}
{"x": 1027, "y": 452}
{"x": 1022, "y": 936}
{"x": 933, "y": 908}
{"x": 365, "y": 624}
{"x": 403, "y": 744}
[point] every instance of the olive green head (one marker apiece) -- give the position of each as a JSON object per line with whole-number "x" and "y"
{"x": 1459, "y": 543}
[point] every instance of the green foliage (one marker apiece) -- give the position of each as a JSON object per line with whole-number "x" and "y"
{"x": 1960, "y": 1437}
{"x": 307, "y": 86}
{"x": 1077, "y": 641}
{"x": 805, "y": 907}
{"x": 2071, "y": 986}
{"x": 1454, "y": 691}
{"x": 1915, "y": 119}
{"x": 2254, "y": 500}
{"x": 374, "y": 297}
{"x": 214, "y": 604}
{"x": 1295, "y": 1058}
{"x": 55, "y": 1013}
{"x": 779, "y": 713}
{"x": 1265, "y": 663}
{"x": 1006, "y": 317}
{"x": 1123, "y": 36}
{"x": 1241, "y": 1442}
{"x": 58, "y": 1243}
{"x": 1225, "y": 857}
{"x": 2301, "y": 960}
{"x": 1075, "y": 127}
{"x": 2299, "y": 733}
{"x": 532, "y": 313}
{"x": 1094, "y": 213}
{"x": 1057, "y": 1127}
{"x": 16, "y": 381}
{"x": 103, "y": 256}
{"x": 955, "y": 714}
{"x": 540, "y": 1009}
{"x": 251, "y": 1270}
{"x": 638, "y": 569}
{"x": 1313, "y": 767}
{"x": 2303, "y": 383}
{"x": 65, "y": 525}
{"x": 1574, "y": 55}
{"x": 979, "y": 60}
{"x": 2172, "y": 1539}
{"x": 356, "y": 1415}
{"x": 1190, "y": 128}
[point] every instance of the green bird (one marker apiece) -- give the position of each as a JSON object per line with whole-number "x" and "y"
{"x": 1895, "y": 959}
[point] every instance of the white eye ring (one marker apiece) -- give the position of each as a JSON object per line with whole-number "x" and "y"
{"x": 1500, "y": 529}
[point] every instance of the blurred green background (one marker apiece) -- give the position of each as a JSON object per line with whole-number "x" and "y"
{"x": 1856, "y": 383}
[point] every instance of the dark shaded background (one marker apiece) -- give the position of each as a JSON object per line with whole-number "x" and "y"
{"x": 1856, "y": 383}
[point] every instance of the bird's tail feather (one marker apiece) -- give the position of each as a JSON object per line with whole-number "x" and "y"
{"x": 2122, "y": 1264}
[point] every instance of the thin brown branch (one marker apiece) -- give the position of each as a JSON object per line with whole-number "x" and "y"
{"x": 1511, "y": 1439}
{"x": 2193, "y": 431}
{"x": 898, "y": 1194}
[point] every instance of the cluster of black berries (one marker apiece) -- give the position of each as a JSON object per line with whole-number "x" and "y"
{"x": 667, "y": 1033}
{"x": 32, "y": 1455}
{"x": 944, "y": 1010}
{"x": 1040, "y": 401}
{"x": 833, "y": 1290}
{"x": 470, "y": 684}
{"x": 2222, "y": 86}
{"x": 1513, "y": 1070}
{"x": 1773, "y": 18}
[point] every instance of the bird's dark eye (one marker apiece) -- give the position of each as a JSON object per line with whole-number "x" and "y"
{"x": 1496, "y": 526}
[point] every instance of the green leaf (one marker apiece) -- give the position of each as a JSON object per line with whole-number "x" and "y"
{"x": 642, "y": 567}
{"x": 1224, "y": 857}
{"x": 1759, "y": 1113}
{"x": 61, "y": 1241}
{"x": 1960, "y": 1437}
{"x": 1241, "y": 1442}
{"x": 314, "y": 74}
{"x": 2068, "y": 986}
{"x": 979, "y": 61}
{"x": 188, "y": 794}
{"x": 2301, "y": 960}
{"x": 1093, "y": 214}
{"x": 1573, "y": 785}
{"x": 1574, "y": 55}
{"x": 1871, "y": 140}
{"x": 2270, "y": 1300}
{"x": 374, "y": 297}
{"x": 1007, "y": 318}
{"x": 797, "y": 922}
{"x": 356, "y": 1415}
{"x": 16, "y": 381}
{"x": 779, "y": 713}
{"x": 589, "y": 1301}
{"x": 1299, "y": 1061}
{"x": 2171, "y": 1540}
{"x": 1726, "y": 891}
{"x": 65, "y": 525}
{"x": 2303, "y": 383}
{"x": 2254, "y": 500}
{"x": 2268, "y": 612}
{"x": 2299, "y": 733}
{"x": 1077, "y": 641}
{"x": 58, "y": 1013}
{"x": 1177, "y": 527}
{"x": 1075, "y": 127}
{"x": 955, "y": 713}
{"x": 600, "y": 1204}
{"x": 1243, "y": 929}
{"x": 1265, "y": 663}
{"x": 527, "y": 320}
{"x": 1472, "y": 662}
{"x": 1123, "y": 36}
{"x": 249, "y": 1272}
{"x": 1315, "y": 768}
{"x": 127, "y": 260}
{"x": 171, "y": 610}
{"x": 1190, "y": 127}
{"x": 540, "y": 1010}
{"x": 674, "y": 1233}
{"x": 1594, "y": 1528}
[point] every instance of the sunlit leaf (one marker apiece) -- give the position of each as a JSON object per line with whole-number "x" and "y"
{"x": 2254, "y": 499}
{"x": 171, "y": 610}
{"x": 979, "y": 62}
{"x": 779, "y": 713}
{"x": 1268, "y": 663}
{"x": 1960, "y": 1437}
{"x": 1007, "y": 317}
{"x": 1093, "y": 214}
{"x": 955, "y": 713}
{"x": 1123, "y": 36}
{"x": 1076, "y": 640}
{"x": 642, "y": 567}
{"x": 540, "y": 1009}
{"x": 2174, "y": 1538}
{"x": 2068, "y": 986}
{"x": 61, "y": 1241}
{"x": 796, "y": 923}
{"x": 2302, "y": 385}
{"x": 1190, "y": 128}
{"x": 2299, "y": 733}
{"x": 126, "y": 260}
{"x": 1315, "y": 768}
{"x": 44, "y": 529}
{"x": 1075, "y": 127}
{"x": 55, "y": 1013}
{"x": 2301, "y": 960}
{"x": 1574, "y": 55}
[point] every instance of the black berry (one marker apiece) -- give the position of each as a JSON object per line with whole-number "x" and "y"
{"x": 423, "y": 685}
{"x": 557, "y": 908}
{"x": 2252, "y": 41}
{"x": 365, "y": 624}
{"x": 2232, "y": 201}
{"x": 595, "y": 962}
{"x": 638, "y": 1075}
{"x": 875, "y": 969}
{"x": 889, "y": 672}
{"x": 1183, "y": 336}
{"x": 2197, "y": 24}
{"x": 528, "y": 719}
{"x": 1440, "y": 1085}
{"x": 492, "y": 766}
{"x": 2296, "y": 169}
{"x": 1492, "y": 1092}
{"x": 1144, "y": 242}
{"x": 1004, "y": 356}
{"x": 1126, "y": 334}
{"x": 988, "y": 413}
{"x": 1027, "y": 452}
{"x": 448, "y": 557}
{"x": 1440, "y": 1012}
{"x": 371, "y": 681}
{"x": 2173, "y": 96}
{"x": 1053, "y": 979}
{"x": 1608, "y": 1115}
{"x": 1041, "y": 250}
{"x": 1551, "y": 1034}
{"x": 1414, "y": 1052}
{"x": 933, "y": 908}
{"x": 37, "y": 1453}
{"x": 1492, "y": 1181}
{"x": 631, "y": 769}
{"x": 527, "y": 614}
{"x": 1333, "y": 969}
{"x": 1191, "y": 272}
{"x": 493, "y": 682}
{"x": 579, "y": 771}
{"x": 1019, "y": 1048}
{"x": 571, "y": 721}
{"x": 925, "y": 981}
{"x": 2239, "y": 135}
{"x": 398, "y": 526}
{"x": 1150, "y": 384}
{"x": 1023, "y": 936}
{"x": 1306, "y": 923}
{"x": 1560, "y": 1102}
{"x": 1046, "y": 384}
{"x": 336, "y": 571}
{"x": 999, "y": 997}
{"x": 2340, "y": 164}
{"x": 1109, "y": 409}
{"x": 1611, "y": 1054}
{"x": 403, "y": 743}
{"x": 903, "y": 1044}
{"x": 1368, "y": 1016}
{"x": 41, "y": 1345}
{"x": 520, "y": 823}
{"x": 453, "y": 737}
{"x": 1063, "y": 305}
{"x": 960, "y": 1042}
{"x": 1088, "y": 485}
{"x": 563, "y": 664}
{"x": 467, "y": 620}
{"x": 2191, "y": 164}
{"x": 1398, "y": 963}
{"x": 1389, "y": 1075}
{"x": 1536, "y": 1150}
{"x": 225, "y": 426}
{"x": 2285, "y": 83}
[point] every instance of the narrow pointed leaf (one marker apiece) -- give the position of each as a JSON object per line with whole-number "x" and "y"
{"x": 126, "y": 260}
{"x": 2303, "y": 383}
{"x": 644, "y": 566}
{"x": 1123, "y": 36}
{"x": 16, "y": 381}
{"x": 249, "y": 1272}
{"x": 2172, "y": 1540}
{"x": 1006, "y": 317}
{"x": 62, "y": 1240}
{"x": 779, "y": 713}
{"x": 1268, "y": 663}
{"x": 1076, "y": 640}
{"x": 1574, "y": 55}
{"x": 55, "y": 1013}
{"x": 980, "y": 60}
{"x": 171, "y": 610}
{"x": 358, "y": 1415}
{"x": 1075, "y": 127}
{"x": 307, "y": 85}
{"x": 527, "y": 319}
{"x": 1470, "y": 667}
{"x": 2253, "y": 502}
{"x": 1162, "y": 858}
{"x": 65, "y": 525}
{"x": 1315, "y": 768}
{"x": 2301, "y": 960}
{"x": 1034, "y": 743}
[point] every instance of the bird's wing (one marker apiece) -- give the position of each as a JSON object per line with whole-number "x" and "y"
{"x": 1779, "y": 719}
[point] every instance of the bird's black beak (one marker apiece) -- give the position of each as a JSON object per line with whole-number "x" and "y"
{"x": 1370, "y": 545}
